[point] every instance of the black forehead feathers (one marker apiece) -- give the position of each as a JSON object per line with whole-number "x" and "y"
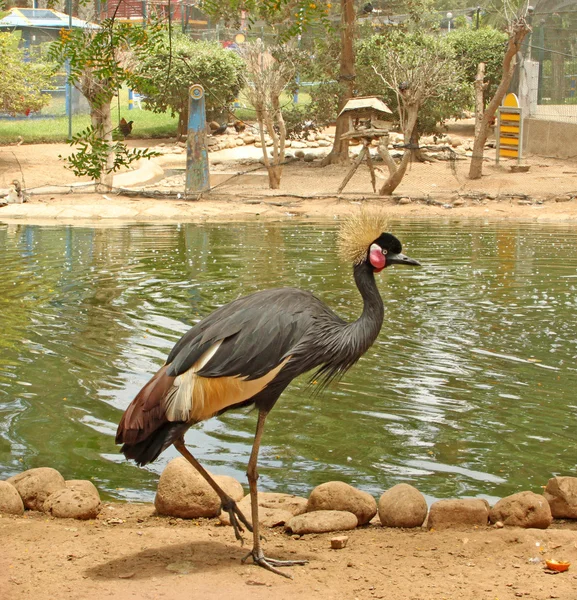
{"x": 387, "y": 241}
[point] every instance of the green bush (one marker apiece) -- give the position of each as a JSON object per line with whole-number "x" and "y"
{"x": 449, "y": 102}
{"x": 22, "y": 80}
{"x": 184, "y": 62}
{"x": 473, "y": 46}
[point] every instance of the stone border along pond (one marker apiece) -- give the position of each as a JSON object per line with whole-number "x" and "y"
{"x": 331, "y": 506}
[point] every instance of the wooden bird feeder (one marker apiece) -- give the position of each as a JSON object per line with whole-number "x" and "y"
{"x": 369, "y": 119}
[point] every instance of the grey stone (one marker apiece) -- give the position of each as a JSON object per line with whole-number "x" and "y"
{"x": 402, "y": 506}
{"x": 466, "y": 512}
{"x": 561, "y": 493}
{"x": 340, "y": 496}
{"x": 274, "y": 509}
{"x": 78, "y": 500}
{"x": 322, "y": 521}
{"x": 525, "y": 509}
{"x": 10, "y": 500}
{"x": 183, "y": 492}
{"x": 35, "y": 485}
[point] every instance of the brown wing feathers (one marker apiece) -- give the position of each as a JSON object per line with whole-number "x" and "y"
{"x": 146, "y": 413}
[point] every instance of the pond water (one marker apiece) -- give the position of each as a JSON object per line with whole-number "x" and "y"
{"x": 470, "y": 390}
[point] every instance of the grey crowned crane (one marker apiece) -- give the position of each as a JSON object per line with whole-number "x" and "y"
{"x": 248, "y": 351}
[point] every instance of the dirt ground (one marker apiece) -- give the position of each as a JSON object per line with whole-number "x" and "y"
{"x": 128, "y": 552}
{"x": 547, "y": 192}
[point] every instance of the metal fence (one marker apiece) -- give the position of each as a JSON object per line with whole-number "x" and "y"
{"x": 552, "y": 48}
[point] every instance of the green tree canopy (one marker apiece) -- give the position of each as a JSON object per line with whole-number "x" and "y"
{"x": 449, "y": 101}
{"x": 475, "y": 46}
{"x": 22, "y": 80}
{"x": 171, "y": 71}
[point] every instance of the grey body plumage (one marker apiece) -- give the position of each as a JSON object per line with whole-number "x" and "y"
{"x": 249, "y": 351}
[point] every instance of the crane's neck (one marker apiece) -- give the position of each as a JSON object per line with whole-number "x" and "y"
{"x": 370, "y": 322}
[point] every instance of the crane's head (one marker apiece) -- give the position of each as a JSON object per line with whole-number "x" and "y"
{"x": 362, "y": 240}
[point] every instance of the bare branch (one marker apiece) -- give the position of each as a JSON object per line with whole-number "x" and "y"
{"x": 265, "y": 80}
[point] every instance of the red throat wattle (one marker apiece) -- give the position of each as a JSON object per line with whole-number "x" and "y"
{"x": 377, "y": 259}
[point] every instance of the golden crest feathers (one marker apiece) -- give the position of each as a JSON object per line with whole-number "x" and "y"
{"x": 357, "y": 232}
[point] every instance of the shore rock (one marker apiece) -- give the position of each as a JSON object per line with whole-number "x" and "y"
{"x": 10, "y": 500}
{"x": 78, "y": 500}
{"x": 561, "y": 493}
{"x": 274, "y": 509}
{"x": 35, "y": 485}
{"x": 402, "y": 506}
{"x": 340, "y": 496}
{"x": 466, "y": 512}
{"x": 322, "y": 521}
{"x": 525, "y": 509}
{"x": 183, "y": 492}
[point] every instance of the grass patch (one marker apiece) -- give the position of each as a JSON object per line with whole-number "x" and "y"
{"x": 54, "y": 127}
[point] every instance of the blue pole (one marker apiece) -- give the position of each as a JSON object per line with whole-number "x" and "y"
{"x": 130, "y": 100}
{"x": 68, "y": 84}
{"x": 197, "y": 177}
{"x": 296, "y": 94}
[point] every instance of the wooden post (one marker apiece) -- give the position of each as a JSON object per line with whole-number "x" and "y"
{"x": 197, "y": 175}
{"x": 353, "y": 168}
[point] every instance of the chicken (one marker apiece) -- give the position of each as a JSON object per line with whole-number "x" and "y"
{"x": 220, "y": 130}
{"x": 125, "y": 127}
{"x": 239, "y": 126}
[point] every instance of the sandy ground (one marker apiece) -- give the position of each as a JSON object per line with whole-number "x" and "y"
{"x": 547, "y": 192}
{"x": 130, "y": 553}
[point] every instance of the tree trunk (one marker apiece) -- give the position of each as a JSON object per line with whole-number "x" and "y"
{"x": 101, "y": 118}
{"x": 383, "y": 150}
{"x": 397, "y": 175}
{"x": 418, "y": 154}
{"x": 517, "y": 33}
{"x": 340, "y": 151}
{"x": 182, "y": 127}
{"x": 274, "y": 176}
{"x": 395, "y": 179}
{"x": 274, "y": 167}
{"x": 480, "y": 86}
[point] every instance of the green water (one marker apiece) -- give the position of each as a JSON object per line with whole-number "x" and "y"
{"x": 470, "y": 389}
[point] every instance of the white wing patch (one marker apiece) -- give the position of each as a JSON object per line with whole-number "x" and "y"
{"x": 196, "y": 398}
{"x": 178, "y": 405}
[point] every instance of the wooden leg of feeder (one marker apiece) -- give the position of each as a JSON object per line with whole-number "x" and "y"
{"x": 372, "y": 170}
{"x": 352, "y": 170}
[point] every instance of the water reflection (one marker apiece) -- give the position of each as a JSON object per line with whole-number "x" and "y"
{"x": 468, "y": 390}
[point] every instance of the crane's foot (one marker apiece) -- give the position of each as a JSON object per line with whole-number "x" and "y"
{"x": 270, "y": 564}
{"x": 236, "y": 515}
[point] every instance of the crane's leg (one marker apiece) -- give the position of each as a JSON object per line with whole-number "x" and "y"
{"x": 256, "y": 553}
{"x": 227, "y": 503}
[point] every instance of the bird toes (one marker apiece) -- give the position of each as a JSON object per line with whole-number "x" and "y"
{"x": 270, "y": 564}
{"x": 236, "y": 518}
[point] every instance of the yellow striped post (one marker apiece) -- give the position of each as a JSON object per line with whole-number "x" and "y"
{"x": 509, "y": 129}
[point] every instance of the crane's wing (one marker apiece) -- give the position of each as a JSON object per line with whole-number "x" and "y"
{"x": 254, "y": 334}
{"x": 223, "y": 361}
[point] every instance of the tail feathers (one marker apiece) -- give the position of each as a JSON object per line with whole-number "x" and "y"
{"x": 150, "y": 448}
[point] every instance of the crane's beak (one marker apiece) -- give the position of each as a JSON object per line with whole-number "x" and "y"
{"x": 401, "y": 259}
